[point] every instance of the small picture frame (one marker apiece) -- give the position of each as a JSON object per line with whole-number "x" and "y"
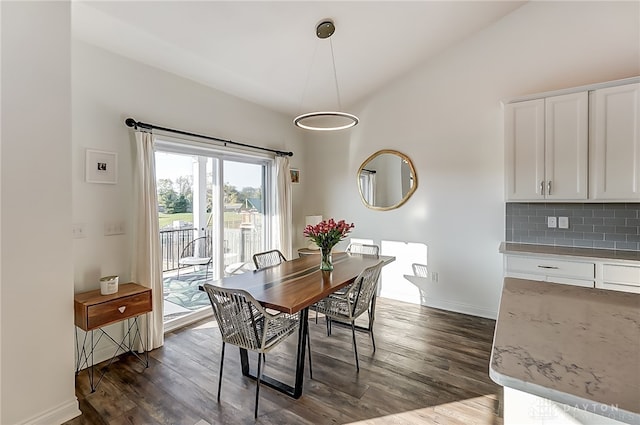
{"x": 295, "y": 175}
{"x": 101, "y": 167}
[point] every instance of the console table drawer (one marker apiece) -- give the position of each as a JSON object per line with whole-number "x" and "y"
{"x": 93, "y": 310}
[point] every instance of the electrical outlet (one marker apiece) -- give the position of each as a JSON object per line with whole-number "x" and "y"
{"x": 552, "y": 222}
{"x": 434, "y": 276}
{"x": 563, "y": 222}
{"x": 79, "y": 231}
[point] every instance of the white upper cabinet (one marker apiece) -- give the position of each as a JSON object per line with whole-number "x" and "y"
{"x": 566, "y": 146}
{"x": 524, "y": 149}
{"x": 614, "y": 173}
{"x": 546, "y": 148}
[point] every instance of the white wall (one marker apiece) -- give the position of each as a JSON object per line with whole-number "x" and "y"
{"x": 107, "y": 89}
{"x": 36, "y": 277}
{"x": 447, "y": 117}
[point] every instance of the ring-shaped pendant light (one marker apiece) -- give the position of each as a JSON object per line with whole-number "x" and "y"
{"x": 327, "y": 120}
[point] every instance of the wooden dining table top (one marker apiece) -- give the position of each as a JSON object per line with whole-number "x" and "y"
{"x": 296, "y": 284}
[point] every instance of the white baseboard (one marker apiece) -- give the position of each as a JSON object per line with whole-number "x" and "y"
{"x": 448, "y": 305}
{"x": 57, "y": 415}
{"x": 460, "y": 308}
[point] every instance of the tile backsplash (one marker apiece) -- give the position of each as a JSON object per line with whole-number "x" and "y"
{"x": 606, "y": 226}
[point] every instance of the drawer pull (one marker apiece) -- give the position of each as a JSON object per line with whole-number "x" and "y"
{"x": 122, "y": 309}
{"x": 549, "y": 267}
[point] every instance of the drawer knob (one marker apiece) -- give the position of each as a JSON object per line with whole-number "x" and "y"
{"x": 549, "y": 267}
{"x": 122, "y": 309}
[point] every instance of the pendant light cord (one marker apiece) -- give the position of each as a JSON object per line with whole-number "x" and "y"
{"x": 335, "y": 75}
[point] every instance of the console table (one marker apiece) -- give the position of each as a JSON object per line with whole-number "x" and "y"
{"x": 93, "y": 312}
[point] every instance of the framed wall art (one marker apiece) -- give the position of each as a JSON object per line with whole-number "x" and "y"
{"x": 295, "y": 175}
{"x": 101, "y": 167}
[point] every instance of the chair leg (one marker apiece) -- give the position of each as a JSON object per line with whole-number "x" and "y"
{"x": 309, "y": 347}
{"x": 372, "y": 318}
{"x": 258, "y": 378}
{"x": 355, "y": 347}
{"x": 221, "y": 365}
{"x": 373, "y": 341}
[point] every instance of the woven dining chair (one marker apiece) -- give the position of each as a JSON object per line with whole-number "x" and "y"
{"x": 366, "y": 249}
{"x": 349, "y": 306}
{"x": 268, "y": 259}
{"x": 243, "y": 322}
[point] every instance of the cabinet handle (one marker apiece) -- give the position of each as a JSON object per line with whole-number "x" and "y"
{"x": 549, "y": 267}
{"x": 542, "y": 187}
{"x": 122, "y": 309}
{"x": 549, "y": 188}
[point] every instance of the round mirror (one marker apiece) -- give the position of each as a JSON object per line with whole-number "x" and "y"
{"x": 386, "y": 180}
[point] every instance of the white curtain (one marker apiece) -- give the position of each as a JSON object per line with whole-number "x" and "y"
{"x": 368, "y": 186}
{"x": 147, "y": 264}
{"x": 283, "y": 215}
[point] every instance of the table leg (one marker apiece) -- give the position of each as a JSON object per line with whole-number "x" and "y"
{"x": 295, "y": 391}
{"x": 125, "y": 345}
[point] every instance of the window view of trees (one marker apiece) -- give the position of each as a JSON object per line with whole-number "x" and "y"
{"x": 177, "y": 197}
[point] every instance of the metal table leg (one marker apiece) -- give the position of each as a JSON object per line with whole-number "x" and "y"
{"x": 296, "y": 390}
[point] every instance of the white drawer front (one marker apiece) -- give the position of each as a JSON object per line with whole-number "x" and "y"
{"x": 551, "y": 267}
{"x": 614, "y": 273}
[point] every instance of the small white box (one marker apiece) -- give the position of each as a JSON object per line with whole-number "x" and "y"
{"x": 552, "y": 222}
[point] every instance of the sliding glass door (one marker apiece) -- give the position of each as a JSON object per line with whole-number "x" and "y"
{"x": 214, "y": 214}
{"x": 245, "y": 217}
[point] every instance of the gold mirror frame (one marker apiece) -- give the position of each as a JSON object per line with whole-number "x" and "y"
{"x": 406, "y": 197}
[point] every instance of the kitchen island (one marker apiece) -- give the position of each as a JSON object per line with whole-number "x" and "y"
{"x": 572, "y": 345}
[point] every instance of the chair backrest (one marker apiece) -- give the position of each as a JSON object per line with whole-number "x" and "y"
{"x": 268, "y": 259}
{"x": 199, "y": 247}
{"x": 240, "y": 317}
{"x": 420, "y": 270}
{"x": 359, "y": 248}
{"x": 363, "y": 289}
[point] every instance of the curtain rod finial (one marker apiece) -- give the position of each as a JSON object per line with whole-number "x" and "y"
{"x": 130, "y": 122}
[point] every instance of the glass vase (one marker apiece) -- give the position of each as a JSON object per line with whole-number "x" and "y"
{"x": 326, "y": 262}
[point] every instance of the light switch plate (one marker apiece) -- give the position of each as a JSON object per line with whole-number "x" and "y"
{"x": 552, "y": 222}
{"x": 563, "y": 222}
{"x": 79, "y": 230}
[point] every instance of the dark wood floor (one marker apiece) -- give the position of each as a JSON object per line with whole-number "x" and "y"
{"x": 430, "y": 367}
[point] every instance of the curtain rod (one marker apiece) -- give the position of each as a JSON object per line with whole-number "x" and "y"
{"x": 130, "y": 122}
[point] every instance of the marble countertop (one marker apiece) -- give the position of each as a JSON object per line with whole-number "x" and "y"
{"x": 574, "y": 345}
{"x": 580, "y": 253}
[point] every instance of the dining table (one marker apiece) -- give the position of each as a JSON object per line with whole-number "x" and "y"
{"x": 291, "y": 287}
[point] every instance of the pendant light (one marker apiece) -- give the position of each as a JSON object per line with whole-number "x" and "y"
{"x": 327, "y": 120}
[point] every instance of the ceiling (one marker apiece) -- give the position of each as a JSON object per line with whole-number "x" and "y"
{"x": 267, "y": 51}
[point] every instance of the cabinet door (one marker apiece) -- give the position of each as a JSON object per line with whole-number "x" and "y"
{"x": 615, "y": 143}
{"x": 566, "y": 146}
{"x": 524, "y": 150}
